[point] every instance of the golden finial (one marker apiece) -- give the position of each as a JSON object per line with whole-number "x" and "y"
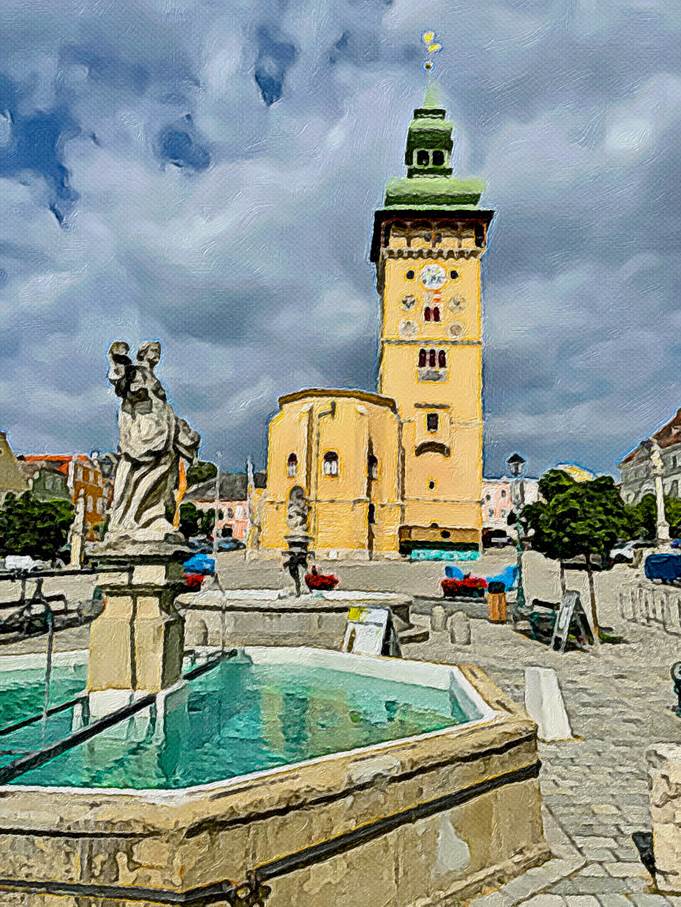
{"x": 433, "y": 46}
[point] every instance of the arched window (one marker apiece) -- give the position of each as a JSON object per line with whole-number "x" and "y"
{"x": 431, "y": 359}
{"x": 331, "y": 463}
{"x": 442, "y": 359}
{"x": 438, "y": 158}
{"x": 426, "y": 313}
{"x": 422, "y": 358}
{"x": 292, "y": 465}
{"x": 436, "y": 313}
{"x": 372, "y": 467}
{"x": 422, "y": 157}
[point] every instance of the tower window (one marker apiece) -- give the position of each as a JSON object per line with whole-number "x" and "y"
{"x": 410, "y": 275}
{"x": 330, "y": 467}
{"x": 438, "y": 158}
{"x": 453, "y": 274}
{"x": 432, "y": 421}
{"x": 372, "y": 514}
{"x": 292, "y": 465}
{"x": 422, "y": 358}
{"x": 442, "y": 359}
{"x": 436, "y": 313}
{"x": 431, "y": 485}
{"x": 372, "y": 467}
{"x": 422, "y": 157}
{"x": 432, "y": 359}
{"x": 427, "y": 313}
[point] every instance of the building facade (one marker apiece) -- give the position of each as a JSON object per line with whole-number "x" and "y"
{"x": 497, "y": 502}
{"x": 233, "y": 506}
{"x": 83, "y": 476}
{"x": 45, "y": 481}
{"x": 635, "y": 469}
{"x": 12, "y": 478}
{"x": 401, "y": 469}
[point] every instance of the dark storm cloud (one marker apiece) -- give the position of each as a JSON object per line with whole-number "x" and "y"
{"x": 214, "y": 168}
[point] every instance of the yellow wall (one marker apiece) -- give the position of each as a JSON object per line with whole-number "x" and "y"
{"x": 454, "y": 501}
{"x": 311, "y": 424}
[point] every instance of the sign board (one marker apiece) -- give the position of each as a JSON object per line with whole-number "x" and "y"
{"x": 370, "y": 631}
{"x": 571, "y": 617}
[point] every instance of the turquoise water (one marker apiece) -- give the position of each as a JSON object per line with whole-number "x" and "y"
{"x": 240, "y": 718}
{"x": 22, "y": 692}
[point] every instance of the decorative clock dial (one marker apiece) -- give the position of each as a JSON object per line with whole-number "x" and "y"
{"x": 432, "y": 277}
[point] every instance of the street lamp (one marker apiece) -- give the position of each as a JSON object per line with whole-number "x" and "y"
{"x": 516, "y": 464}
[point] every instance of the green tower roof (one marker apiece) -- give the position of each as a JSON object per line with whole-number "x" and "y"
{"x": 429, "y": 182}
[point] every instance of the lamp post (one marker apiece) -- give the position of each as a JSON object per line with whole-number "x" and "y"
{"x": 218, "y": 462}
{"x": 516, "y": 464}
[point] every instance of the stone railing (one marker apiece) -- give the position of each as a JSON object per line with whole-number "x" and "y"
{"x": 651, "y": 604}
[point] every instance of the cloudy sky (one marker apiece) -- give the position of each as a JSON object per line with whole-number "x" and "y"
{"x": 204, "y": 172}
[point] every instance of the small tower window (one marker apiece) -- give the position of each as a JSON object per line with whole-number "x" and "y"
{"x": 422, "y": 157}
{"x": 427, "y": 313}
{"x": 438, "y": 158}
{"x": 431, "y": 485}
{"x": 432, "y": 359}
{"x": 432, "y": 421}
{"x": 436, "y": 313}
{"x": 372, "y": 514}
{"x": 292, "y": 465}
{"x": 422, "y": 358}
{"x": 453, "y": 274}
{"x": 331, "y": 463}
{"x": 442, "y": 359}
{"x": 372, "y": 467}
{"x": 410, "y": 275}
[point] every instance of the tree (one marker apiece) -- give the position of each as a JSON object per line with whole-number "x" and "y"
{"x": 189, "y": 520}
{"x": 207, "y": 521}
{"x": 578, "y": 519}
{"x": 37, "y": 528}
{"x": 200, "y": 472}
{"x": 643, "y": 517}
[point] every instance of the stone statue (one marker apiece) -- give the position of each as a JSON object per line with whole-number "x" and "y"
{"x": 152, "y": 442}
{"x": 298, "y": 510}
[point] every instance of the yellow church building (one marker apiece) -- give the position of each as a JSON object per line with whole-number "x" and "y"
{"x": 389, "y": 472}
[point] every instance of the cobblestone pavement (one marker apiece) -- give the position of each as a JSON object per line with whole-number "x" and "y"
{"x": 595, "y": 787}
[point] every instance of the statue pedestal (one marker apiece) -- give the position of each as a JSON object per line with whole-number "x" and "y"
{"x": 137, "y": 643}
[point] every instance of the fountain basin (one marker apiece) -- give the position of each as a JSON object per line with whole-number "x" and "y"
{"x": 406, "y": 821}
{"x": 252, "y": 617}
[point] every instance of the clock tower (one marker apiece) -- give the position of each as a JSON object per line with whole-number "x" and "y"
{"x": 428, "y": 242}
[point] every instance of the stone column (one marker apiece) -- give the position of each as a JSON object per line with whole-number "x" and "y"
{"x": 664, "y": 785}
{"x": 137, "y": 643}
{"x": 657, "y": 468}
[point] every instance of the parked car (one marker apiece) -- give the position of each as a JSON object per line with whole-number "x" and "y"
{"x": 230, "y": 544}
{"x": 579, "y": 563}
{"x": 663, "y": 568}
{"x": 495, "y": 538}
{"x": 624, "y": 552}
{"x": 320, "y": 582}
{"x": 15, "y": 562}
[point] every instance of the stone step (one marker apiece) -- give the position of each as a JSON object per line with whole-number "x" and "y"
{"x": 414, "y": 635}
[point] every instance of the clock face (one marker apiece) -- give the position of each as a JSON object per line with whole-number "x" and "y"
{"x": 432, "y": 277}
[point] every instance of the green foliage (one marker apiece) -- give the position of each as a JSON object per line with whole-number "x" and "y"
{"x": 189, "y": 520}
{"x": 554, "y": 482}
{"x": 578, "y": 518}
{"x": 643, "y": 517}
{"x": 33, "y": 527}
{"x": 196, "y": 522}
{"x": 201, "y": 471}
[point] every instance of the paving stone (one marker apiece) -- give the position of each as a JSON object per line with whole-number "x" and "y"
{"x": 626, "y": 870}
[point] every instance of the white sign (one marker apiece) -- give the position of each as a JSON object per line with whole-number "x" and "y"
{"x": 369, "y": 631}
